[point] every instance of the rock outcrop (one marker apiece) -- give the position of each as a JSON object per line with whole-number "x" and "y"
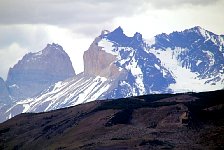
{"x": 98, "y": 62}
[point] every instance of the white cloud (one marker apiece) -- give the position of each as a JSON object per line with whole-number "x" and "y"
{"x": 9, "y": 56}
{"x": 171, "y": 4}
{"x": 26, "y": 35}
{"x": 155, "y": 21}
{"x": 64, "y": 12}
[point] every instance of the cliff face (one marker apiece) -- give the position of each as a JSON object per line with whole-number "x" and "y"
{"x": 37, "y": 71}
{"x": 98, "y": 62}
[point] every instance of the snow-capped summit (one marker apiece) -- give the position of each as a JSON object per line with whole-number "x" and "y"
{"x": 39, "y": 70}
{"x": 123, "y": 57}
{"x": 195, "y": 54}
{"x": 197, "y": 51}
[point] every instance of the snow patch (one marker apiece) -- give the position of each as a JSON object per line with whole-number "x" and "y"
{"x": 107, "y": 46}
{"x": 186, "y": 81}
{"x": 14, "y": 86}
{"x": 137, "y": 73}
{"x": 203, "y": 32}
{"x": 198, "y": 62}
{"x": 25, "y": 107}
{"x": 10, "y": 116}
{"x": 157, "y": 67}
{"x": 64, "y": 94}
{"x": 210, "y": 56}
{"x": 150, "y": 41}
{"x": 39, "y": 53}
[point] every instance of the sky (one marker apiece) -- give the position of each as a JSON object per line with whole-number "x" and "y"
{"x": 29, "y": 25}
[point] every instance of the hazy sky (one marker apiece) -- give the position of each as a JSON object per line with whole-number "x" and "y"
{"x": 28, "y": 25}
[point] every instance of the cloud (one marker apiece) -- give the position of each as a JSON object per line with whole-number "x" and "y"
{"x": 9, "y": 56}
{"x": 22, "y": 34}
{"x": 82, "y": 16}
{"x": 85, "y": 17}
{"x": 156, "y": 21}
{"x": 169, "y": 4}
{"x": 64, "y": 12}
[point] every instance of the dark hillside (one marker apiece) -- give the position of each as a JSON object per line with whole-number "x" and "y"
{"x": 169, "y": 121}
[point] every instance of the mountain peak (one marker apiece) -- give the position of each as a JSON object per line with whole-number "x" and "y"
{"x": 199, "y": 30}
{"x": 53, "y": 48}
{"x": 138, "y": 36}
{"x": 118, "y": 36}
{"x": 54, "y": 45}
{"x": 49, "y": 49}
{"x": 119, "y": 29}
{"x": 39, "y": 70}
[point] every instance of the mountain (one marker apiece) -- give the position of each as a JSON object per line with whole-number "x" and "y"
{"x": 195, "y": 58}
{"x": 157, "y": 121}
{"x": 4, "y": 93}
{"x": 117, "y": 66}
{"x": 31, "y": 75}
{"x": 37, "y": 71}
{"x": 119, "y": 55}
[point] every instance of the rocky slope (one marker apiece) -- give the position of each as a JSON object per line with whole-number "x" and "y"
{"x": 164, "y": 121}
{"x": 37, "y": 71}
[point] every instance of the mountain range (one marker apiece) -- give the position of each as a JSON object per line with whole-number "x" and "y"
{"x": 115, "y": 66}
